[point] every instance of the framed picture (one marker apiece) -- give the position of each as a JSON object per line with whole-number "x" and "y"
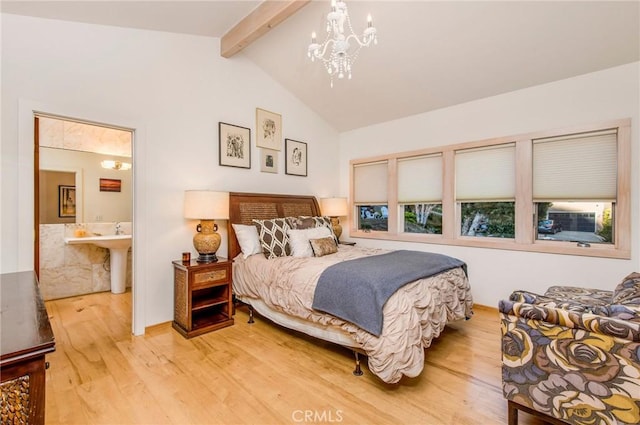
{"x": 268, "y": 130}
{"x": 234, "y": 145}
{"x": 268, "y": 161}
{"x": 66, "y": 201}
{"x": 296, "y": 158}
{"x": 110, "y": 185}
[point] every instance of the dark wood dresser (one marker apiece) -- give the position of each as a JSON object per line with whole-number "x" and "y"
{"x": 25, "y": 338}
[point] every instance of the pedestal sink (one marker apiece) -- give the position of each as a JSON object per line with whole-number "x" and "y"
{"x": 118, "y": 246}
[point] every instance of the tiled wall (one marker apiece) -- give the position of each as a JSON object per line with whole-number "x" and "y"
{"x": 69, "y": 270}
{"x": 84, "y": 137}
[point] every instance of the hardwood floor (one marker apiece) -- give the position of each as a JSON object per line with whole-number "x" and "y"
{"x": 257, "y": 374}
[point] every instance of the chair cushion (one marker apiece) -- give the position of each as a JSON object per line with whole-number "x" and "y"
{"x": 628, "y": 291}
{"x": 587, "y": 296}
{"x": 570, "y": 298}
{"x": 629, "y": 312}
{"x": 623, "y": 303}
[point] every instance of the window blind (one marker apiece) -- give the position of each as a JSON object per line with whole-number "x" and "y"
{"x": 370, "y": 181}
{"x": 576, "y": 167}
{"x": 486, "y": 174}
{"x": 420, "y": 179}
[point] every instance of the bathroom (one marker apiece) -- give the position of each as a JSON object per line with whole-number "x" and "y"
{"x": 85, "y": 188}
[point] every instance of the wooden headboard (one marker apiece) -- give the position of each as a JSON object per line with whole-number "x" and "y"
{"x": 244, "y": 207}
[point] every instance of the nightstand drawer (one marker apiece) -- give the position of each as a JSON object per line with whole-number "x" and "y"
{"x": 207, "y": 278}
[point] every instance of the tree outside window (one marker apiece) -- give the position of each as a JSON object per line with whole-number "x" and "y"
{"x": 488, "y": 219}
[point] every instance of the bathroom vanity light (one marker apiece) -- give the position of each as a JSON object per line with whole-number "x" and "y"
{"x": 115, "y": 165}
{"x": 206, "y": 206}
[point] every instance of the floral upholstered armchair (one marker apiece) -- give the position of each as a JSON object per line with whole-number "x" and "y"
{"x": 572, "y": 355}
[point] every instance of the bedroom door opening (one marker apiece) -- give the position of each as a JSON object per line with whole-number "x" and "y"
{"x": 83, "y": 186}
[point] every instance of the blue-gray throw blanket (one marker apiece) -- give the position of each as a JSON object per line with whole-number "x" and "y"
{"x": 356, "y": 290}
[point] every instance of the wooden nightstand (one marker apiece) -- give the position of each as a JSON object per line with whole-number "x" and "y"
{"x": 202, "y": 296}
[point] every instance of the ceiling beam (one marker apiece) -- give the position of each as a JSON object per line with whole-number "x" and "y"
{"x": 264, "y": 17}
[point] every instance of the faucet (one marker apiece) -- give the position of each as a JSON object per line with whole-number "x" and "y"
{"x": 118, "y": 229}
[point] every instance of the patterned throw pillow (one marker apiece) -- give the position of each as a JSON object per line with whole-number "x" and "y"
{"x": 323, "y": 246}
{"x": 299, "y": 223}
{"x": 273, "y": 237}
{"x": 299, "y": 240}
{"x": 321, "y": 222}
{"x": 628, "y": 290}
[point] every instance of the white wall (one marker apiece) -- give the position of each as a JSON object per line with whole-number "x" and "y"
{"x": 591, "y": 98}
{"x": 173, "y": 90}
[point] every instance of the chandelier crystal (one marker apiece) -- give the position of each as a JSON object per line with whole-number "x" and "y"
{"x": 339, "y": 51}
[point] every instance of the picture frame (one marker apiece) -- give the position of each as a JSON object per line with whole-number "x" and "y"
{"x": 110, "y": 185}
{"x": 268, "y": 130}
{"x": 66, "y": 201}
{"x": 234, "y": 145}
{"x": 296, "y": 158}
{"x": 268, "y": 161}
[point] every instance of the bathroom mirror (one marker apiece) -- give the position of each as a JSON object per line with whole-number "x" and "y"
{"x": 76, "y": 188}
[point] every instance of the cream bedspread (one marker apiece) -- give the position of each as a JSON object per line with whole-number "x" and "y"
{"x": 413, "y": 316}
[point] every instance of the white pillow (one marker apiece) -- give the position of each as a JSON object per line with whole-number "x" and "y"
{"x": 248, "y": 239}
{"x": 299, "y": 240}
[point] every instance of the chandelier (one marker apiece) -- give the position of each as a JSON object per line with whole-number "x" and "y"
{"x": 339, "y": 51}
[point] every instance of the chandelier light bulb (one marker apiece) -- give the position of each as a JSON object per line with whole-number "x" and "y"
{"x": 341, "y": 47}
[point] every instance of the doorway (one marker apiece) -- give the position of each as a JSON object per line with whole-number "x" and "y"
{"x": 72, "y": 158}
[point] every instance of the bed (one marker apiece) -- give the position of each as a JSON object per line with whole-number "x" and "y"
{"x": 282, "y": 289}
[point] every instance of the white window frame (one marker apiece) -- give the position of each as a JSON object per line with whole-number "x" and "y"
{"x": 525, "y": 226}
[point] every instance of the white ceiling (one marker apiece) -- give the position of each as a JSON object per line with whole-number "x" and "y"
{"x": 208, "y": 18}
{"x": 430, "y": 54}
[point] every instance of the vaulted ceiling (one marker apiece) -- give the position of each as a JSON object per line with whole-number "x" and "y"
{"x": 430, "y": 55}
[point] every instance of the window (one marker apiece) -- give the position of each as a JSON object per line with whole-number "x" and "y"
{"x": 488, "y": 219}
{"x": 422, "y": 218}
{"x": 486, "y": 191}
{"x": 575, "y": 187}
{"x": 370, "y": 196}
{"x": 565, "y": 191}
{"x": 420, "y": 193}
{"x": 587, "y": 222}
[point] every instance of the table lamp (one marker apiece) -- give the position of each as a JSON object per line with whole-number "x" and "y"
{"x": 334, "y": 208}
{"x": 206, "y": 206}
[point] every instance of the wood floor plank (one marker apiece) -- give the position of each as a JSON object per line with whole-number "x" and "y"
{"x": 257, "y": 374}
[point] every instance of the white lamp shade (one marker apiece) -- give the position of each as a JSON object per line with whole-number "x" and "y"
{"x": 206, "y": 205}
{"x": 334, "y": 207}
